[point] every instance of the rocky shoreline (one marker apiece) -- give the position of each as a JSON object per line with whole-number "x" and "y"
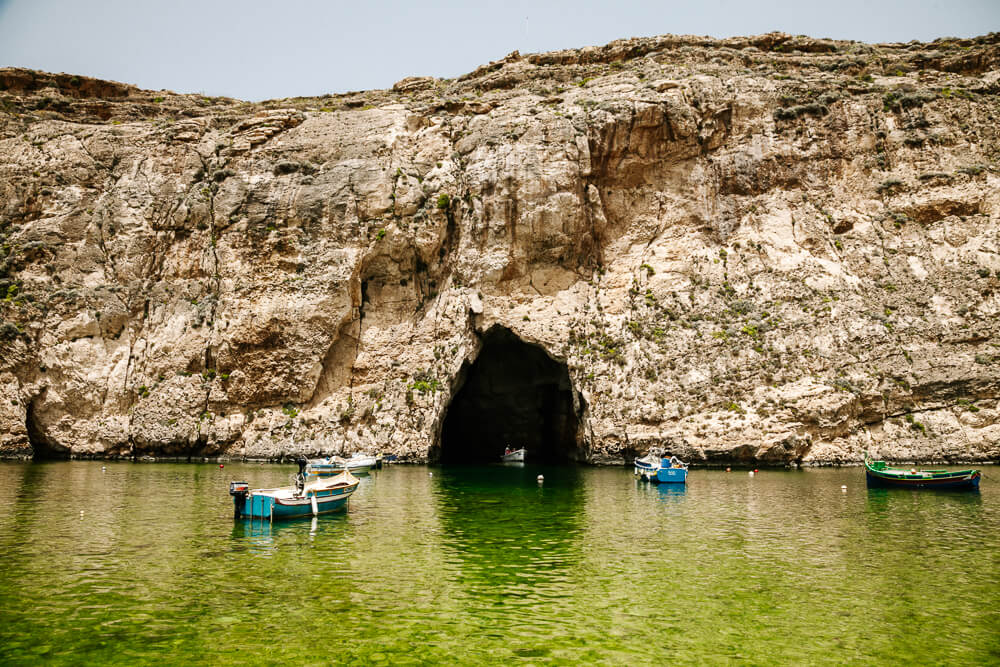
{"x": 290, "y": 460}
{"x": 767, "y": 250}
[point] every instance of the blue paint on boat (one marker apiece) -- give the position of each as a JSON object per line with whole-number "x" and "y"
{"x": 671, "y": 475}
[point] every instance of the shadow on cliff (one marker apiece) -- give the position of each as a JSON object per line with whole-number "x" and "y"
{"x": 42, "y": 446}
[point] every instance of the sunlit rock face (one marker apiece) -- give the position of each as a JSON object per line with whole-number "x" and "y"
{"x": 767, "y": 250}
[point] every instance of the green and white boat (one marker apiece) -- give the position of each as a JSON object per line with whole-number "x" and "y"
{"x": 880, "y": 474}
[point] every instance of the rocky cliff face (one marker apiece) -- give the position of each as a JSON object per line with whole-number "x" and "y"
{"x": 771, "y": 249}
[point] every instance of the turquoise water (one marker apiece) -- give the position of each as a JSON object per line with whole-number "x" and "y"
{"x": 484, "y": 566}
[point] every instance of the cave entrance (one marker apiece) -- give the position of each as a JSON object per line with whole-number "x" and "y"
{"x": 516, "y": 395}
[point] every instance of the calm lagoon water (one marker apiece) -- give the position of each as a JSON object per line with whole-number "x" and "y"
{"x": 481, "y": 565}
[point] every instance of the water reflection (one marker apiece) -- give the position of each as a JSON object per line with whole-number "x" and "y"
{"x": 19, "y": 501}
{"x": 881, "y": 498}
{"x": 510, "y": 540}
{"x": 670, "y": 492}
{"x": 474, "y": 566}
{"x": 263, "y": 536}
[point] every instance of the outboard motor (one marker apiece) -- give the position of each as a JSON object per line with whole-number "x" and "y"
{"x": 300, "y": 478}
{"x": 239, "y": 492}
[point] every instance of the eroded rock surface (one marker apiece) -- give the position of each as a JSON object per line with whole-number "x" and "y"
{"x": 770, "y": 249}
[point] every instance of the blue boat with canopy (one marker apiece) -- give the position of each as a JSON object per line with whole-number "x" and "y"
{"x": 661, "y": 470}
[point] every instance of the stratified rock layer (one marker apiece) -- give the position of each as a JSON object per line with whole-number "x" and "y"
{"x": 767, "y": 249}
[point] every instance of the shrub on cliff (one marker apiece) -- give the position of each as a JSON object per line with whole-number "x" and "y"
{"x": 290, "y": 167}
{"x": 811, "y": 109}
{"x": 896, "y": 101}
{"x": 9, "y": 331}
{"x": 286, "y": 167}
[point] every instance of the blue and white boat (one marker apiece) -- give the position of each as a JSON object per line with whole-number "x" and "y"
{"x": 307, "y": 497}
{"x": 359, "y": 464}
{"x": 659, "y": 470}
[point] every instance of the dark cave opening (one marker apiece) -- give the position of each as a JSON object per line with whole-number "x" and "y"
{"x": 516, "y": 395}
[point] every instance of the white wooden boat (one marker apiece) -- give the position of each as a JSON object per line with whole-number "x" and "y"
{"x": 516, "y": 456}
{"x": 647, "y": 466}
{"x": 358, "y": 464}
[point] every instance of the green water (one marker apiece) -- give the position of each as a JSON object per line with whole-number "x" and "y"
{"x": 484, "y": 566}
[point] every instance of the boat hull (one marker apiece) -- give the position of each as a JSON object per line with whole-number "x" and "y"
{"x": 671, "y": 476}
{"x": 280, "y": 503}
{"x": 967, "y": 481}
{"x": 514, "y": 457}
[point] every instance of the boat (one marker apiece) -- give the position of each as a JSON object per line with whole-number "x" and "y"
{"x": 880, "y": 474}
{"x": 358, "y": 464}
{"x": 647, "y": 465}
{"x": 661, "y": 470}
{"x": 306, "y": 497}
{"x": 515, "y": 456}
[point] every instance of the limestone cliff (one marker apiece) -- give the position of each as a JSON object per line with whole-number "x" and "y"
{"x": 768, "y": 249}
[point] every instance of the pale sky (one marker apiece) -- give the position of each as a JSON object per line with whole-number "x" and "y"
{"x": 256, "y": 50}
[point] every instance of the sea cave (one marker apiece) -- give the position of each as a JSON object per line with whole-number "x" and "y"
{"x": 513, "y": 395}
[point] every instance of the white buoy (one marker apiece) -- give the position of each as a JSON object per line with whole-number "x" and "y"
{"x": 103, "y": 468}
{"x": 431, "y": 474}
{"x": 541, "y": 478}
{"x": 751, "y": 473}
{"x": 843, "y": 488}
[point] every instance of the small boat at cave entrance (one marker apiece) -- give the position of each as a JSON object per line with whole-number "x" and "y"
{"x": 660, "y": 470}
{"x": 514, "y": 456}
{"x": 879, "y": 474}
{"x": 305, "y": 497}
